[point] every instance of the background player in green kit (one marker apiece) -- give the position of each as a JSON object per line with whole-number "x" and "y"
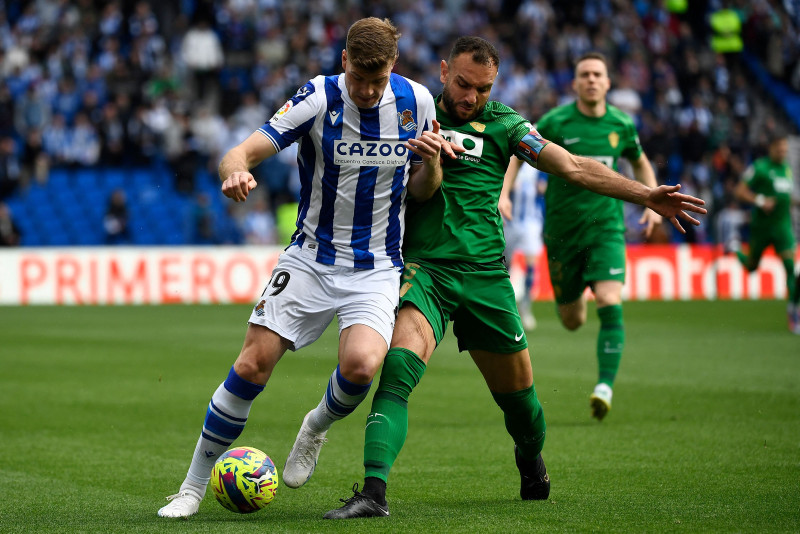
{"x": 585, "y": 232}
{"x": 767, "y": 185}
{"x": 454, "y": 272}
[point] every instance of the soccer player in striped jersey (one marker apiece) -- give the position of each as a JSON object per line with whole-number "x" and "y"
{"x": 454, "y": 272}
{"x": 366, "y": 138}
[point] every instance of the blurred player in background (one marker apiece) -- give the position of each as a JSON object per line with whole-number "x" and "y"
{"x": 523, "y": 216}
{"x": 356, "y": 132}
{"x": 455, "y": 272}
{"x": 767, "y": 184}
{"x": 585, "y": 232}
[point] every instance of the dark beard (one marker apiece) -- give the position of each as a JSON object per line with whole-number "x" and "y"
{"x": 450, "y": 106}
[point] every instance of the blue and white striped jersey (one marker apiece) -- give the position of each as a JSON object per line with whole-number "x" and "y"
{"x": 527, "y": 202}
{"x": 353, "y": 167}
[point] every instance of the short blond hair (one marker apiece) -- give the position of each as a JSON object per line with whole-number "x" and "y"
{"x": 372, "y": 43}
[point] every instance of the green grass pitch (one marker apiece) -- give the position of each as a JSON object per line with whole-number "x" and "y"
{"x": 100, "y": 409}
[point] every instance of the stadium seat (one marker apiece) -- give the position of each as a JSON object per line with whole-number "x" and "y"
{"x": 85, "y": 179}
{"x": 112, "y": 178}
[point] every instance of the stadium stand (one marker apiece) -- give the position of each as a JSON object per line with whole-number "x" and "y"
{"x": 98, "y": 95}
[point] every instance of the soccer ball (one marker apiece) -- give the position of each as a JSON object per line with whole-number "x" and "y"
{"x": 244, "y": 480}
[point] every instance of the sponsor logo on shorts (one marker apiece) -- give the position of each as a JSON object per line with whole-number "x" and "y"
{"x": 519, "y": 336}
{"x": 370, "y": 153}
{"x": 614, "y": 271}
{"x": 571, "y": 140}
{"x": 259, "y": 309}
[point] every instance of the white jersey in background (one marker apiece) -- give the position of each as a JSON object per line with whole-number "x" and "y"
{"x": 353, "y": 167}
{"x": 524, "y": 231}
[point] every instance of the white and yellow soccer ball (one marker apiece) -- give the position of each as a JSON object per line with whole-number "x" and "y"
{"x": 244, "y": 480}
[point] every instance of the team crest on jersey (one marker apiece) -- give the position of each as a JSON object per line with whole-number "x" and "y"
{"x": 613, "y": 139}
{"x": 281, "y": 112}
{"x": 260, "y": 309}
{"x": 478, "y": 126}
{"x": 406, "y": 119}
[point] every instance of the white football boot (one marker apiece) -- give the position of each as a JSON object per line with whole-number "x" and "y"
{"x": 600, "y": 400}
{"x": 183, "y": 504}
{"x": 303, "y": 457}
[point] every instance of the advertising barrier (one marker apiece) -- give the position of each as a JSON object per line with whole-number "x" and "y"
{"x": 210, "y": 275}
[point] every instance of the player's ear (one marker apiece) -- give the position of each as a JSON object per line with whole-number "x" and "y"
{"x": 344, "y": 59}
{"x": 443, "y": 75}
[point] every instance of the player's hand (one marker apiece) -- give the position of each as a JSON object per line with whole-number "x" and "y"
{"x": 649, "y": 219}
{"x": 769, "y": 205}
{"x": 431, "y": 144}
{"x": 505, "y": 207}
{"x": 238, "y": 185}
{"x": 668, "y": 202}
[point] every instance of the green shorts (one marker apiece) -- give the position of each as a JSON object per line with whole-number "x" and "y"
{"x": 573, "y": 266}
{"x": 477, "y": 297}
{"x": 779, "y": 236}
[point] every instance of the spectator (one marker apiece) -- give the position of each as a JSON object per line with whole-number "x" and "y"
{"x": 10, "y": 233}
{"x": 202, "y": 52}
{"x": 115, "y": 222}
{"x": 35, "y": 162}
{"x": 32, "y": 111}
{"x": 10, "y": 167}
{"x": 84, "y": 143}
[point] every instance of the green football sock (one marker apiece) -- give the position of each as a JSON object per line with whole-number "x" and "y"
{"x": 791, "y": 287}
{"x": 387, "y": 422}
{"x": 610, "y": 342}
{"x": 524, "y": 419}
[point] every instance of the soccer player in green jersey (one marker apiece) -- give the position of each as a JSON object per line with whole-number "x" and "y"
{"x": 454, "y": 271}
{"x": 767, "y": 185}
{"x": 585, "y": 232}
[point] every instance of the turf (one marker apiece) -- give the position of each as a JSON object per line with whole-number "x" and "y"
{"x": 100, "y": 408}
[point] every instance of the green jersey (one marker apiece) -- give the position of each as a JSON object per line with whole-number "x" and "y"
{"x": 461, "y": 221}
{"x": 570, "y": 207}
{"x": 765, "y": 177}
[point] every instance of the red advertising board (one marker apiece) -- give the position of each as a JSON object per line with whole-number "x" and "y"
{"x": 163, "y": 275}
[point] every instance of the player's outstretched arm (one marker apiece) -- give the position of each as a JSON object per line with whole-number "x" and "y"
{"x": 594, "y": 176}
{"x": 234, "y": 169}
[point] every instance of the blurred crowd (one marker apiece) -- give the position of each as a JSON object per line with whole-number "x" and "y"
{"x": 138, "y": 83}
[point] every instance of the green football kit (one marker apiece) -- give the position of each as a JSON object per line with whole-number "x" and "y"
{"x": 454, "y": 242}
{"x": 454, "y": 271}
{"x": 585, "y": 232}
{"x": 765, "y": 177}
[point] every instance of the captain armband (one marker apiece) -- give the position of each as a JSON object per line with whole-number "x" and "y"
{"x": 529, "y": 147}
